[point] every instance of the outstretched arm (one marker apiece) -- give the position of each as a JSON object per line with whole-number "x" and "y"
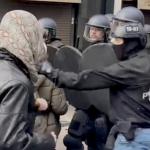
{"x": 86, "y": 80}
{"x": 119, "y": 74}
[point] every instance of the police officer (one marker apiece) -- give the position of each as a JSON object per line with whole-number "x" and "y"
{"x": 128, "y": 80}
{"x": 97, "y": 29}
{"x": 91, "y": 122}
{"x": 49, "y": 32}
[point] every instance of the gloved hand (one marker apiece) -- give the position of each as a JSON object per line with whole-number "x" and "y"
{"x": 46, "y": 69}
{"x": 59, "y": 78}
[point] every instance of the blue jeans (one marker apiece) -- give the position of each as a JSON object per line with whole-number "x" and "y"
{"x": 141, "y": 141}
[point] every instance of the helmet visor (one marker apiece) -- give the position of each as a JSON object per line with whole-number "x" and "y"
{"x": 48, "y": 34}
{"x": 93, "y": 34}
{"x": 117, "y": 23}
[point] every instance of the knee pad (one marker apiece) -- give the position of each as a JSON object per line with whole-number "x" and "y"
{"x": 78, "y": 125}
{"x": 73, "y": 143}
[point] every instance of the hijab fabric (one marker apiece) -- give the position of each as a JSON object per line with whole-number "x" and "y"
{"x": 21, "y": 35}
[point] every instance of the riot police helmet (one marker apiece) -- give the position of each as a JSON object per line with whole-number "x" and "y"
{"x": 130, "y": 14}
{"x": 129, "y": 23}
{"x": 96, "y": 29}
{"x": 110, "y": 17}
{"x": 49, "y": 25}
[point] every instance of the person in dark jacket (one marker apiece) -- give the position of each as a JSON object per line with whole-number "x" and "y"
{"x": 128, "y": 80}
{"x": 21, "y": 50}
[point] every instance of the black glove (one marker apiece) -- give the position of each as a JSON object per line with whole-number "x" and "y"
{"x": 45, "y": 67}
{"x": 59, "y": 78}
{"x": 47, "y": 70}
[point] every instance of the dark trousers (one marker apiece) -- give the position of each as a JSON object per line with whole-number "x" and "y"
{"x": 89, "y": 126}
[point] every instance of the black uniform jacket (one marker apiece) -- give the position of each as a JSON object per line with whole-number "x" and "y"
{"x": 129, "y": 83}
{"x": 16, "y": 109}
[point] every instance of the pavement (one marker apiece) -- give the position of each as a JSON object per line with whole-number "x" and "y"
{"x": 65, "y": 121}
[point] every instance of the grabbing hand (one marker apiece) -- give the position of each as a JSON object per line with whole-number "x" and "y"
{"x": 42, "y": 104}
{"x": 45, "y": 68}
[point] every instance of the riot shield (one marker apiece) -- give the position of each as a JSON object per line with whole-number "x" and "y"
{"x": 68, "y": 59}
{"x": 51, "y": 52}
{"x": 98, "y": 56}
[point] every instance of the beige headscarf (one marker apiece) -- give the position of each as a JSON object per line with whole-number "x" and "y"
{"x": 21, "y": 35}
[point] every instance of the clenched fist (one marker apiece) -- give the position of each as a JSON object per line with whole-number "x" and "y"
{"x": 42, "y": 104}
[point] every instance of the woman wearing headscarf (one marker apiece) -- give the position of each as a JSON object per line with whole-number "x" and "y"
{"x": 21, "y": 51}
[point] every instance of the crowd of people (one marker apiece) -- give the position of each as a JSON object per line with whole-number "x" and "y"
{"x": 32, "y": 90}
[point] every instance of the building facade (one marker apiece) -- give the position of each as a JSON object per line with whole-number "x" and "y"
{"x": 62, "y": 11}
